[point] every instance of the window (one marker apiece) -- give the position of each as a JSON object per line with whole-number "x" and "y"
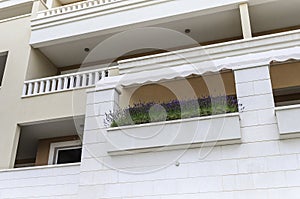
{"x": 286, "y": 83}
{"x": 3, "y": 58}
{"x": 65, "y": 152}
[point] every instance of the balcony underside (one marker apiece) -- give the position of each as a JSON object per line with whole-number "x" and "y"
{"x": 214, "y": 22}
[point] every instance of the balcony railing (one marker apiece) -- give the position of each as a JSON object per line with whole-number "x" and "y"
{"x": 63, "y": 82}
{"x": 74, "y": 7}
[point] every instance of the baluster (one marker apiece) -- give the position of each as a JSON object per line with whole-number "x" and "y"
{"x": 36, "y": 87}
{"x": 97, "y": 76}
{"x": 47, "y": 89}
{"x": 102, "y": 74}
{"x": 66, "y": 83}
{"x": 59, "y": 85}
{"x": 53, "y": 87}
{"x": 72, "y": 82}
{"x": 84, "y": 78}
{"x": 77, "y": 84}
{"x": 30, "y": 88}
{"x": 90, "y": 79}
{"x": 42, "y": 87}
{"x": 25, "y": 87}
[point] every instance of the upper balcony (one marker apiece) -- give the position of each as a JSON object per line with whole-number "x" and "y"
{"x": 63, "y": 32}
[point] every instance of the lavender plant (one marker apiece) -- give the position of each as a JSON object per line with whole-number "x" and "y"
{"x": 141, "y": 113}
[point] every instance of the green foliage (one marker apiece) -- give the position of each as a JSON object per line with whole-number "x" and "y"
{"x": 152, "y": 112}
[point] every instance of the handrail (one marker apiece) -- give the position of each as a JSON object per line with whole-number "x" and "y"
{"x": 58, "y": 76}
{"x": 63, "y": 82}
{"x": 74, "y": 7}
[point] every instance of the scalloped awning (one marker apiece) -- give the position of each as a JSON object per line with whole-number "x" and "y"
{"x": 187, "y": 69}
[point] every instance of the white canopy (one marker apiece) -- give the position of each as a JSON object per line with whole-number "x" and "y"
{"x": 187, "y": 69}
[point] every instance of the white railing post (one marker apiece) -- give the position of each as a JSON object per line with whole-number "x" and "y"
{"x": 102, "y": 74}
{"x": 25, "y": 87}
{"x": 84, "y": 78}
{"x": 42, "y": 87}
{"x": 47, "y": 89}
{"x": 35, "y": 88}
{"x": 53, "y": 87}
{"x": 71, "y": 82}
{"x": 77, "y": 84}
{"x": 97, "y": 76}
{"x": 30, "y": 87}
{"x": 90, "y": 79}
{"x": 66, "y": 83}
{"x": 59, "y": 85}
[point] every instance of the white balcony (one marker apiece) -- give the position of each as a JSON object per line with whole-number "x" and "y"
{"x": 288, "y": 121}
{"x": 75, "y": 7}
{"x": 39, "y": 182}
{"x": 177, "y": 134}
{"x": 61, "y": 83}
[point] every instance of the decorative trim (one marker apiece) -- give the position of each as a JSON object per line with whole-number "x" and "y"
{"x": 77, "y": 164}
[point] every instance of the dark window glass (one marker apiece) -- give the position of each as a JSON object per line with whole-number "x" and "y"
{"x": 3, "y": 58}
{"x": 68, "y": 156}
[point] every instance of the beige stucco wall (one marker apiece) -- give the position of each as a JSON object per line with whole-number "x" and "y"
{"x": 285, "y": 75}
{"x": 43, "y": 150}
{"x": 14, "y": 38}
{"x": 40, "y": 66}
{"x": 52, "y": 106}
{"x": 219, "y": 84}
{"x": 24, "y": 63}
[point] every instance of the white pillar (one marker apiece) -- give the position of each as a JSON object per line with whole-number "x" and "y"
{"x": 256, "y": 102}
{"x": 245, "y": 20}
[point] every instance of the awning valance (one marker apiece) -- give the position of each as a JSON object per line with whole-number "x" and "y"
{"x": 200, "y": 68}
{"x": 165, "y": 74}
{"x": 233, "y": 63}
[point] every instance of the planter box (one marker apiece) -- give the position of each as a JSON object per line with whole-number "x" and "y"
{"x": 288, "y": 121}
{"x": 177, "y": 134}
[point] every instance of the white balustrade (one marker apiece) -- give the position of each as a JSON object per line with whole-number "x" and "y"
{"x": 74, "y": 7}
{"x": 63, "y": 82}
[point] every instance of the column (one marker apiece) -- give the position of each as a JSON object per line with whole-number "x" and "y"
{"x": 255, "y": 96}
{"x": 245, "y": 20}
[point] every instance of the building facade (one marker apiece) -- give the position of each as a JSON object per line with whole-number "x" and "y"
{"x": 69, "y": 70}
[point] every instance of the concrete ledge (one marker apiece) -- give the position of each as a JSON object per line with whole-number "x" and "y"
{"x": 288, "y": 122}
{"x": 173, "y": 135}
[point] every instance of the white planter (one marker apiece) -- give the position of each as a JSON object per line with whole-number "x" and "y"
{"x": 177, "y": 134}
{"x": 288, "y": 121}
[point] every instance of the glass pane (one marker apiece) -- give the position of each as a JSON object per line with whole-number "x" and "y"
{"x": 69, "y": 156}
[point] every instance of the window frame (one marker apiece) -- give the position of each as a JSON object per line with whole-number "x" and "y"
{"x": 58, "y": 146}
{"x": 4, "y": 54}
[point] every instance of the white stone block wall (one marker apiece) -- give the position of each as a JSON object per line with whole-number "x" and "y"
{"x": 262, "y": 166}
{"x": 49, "y": 182}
